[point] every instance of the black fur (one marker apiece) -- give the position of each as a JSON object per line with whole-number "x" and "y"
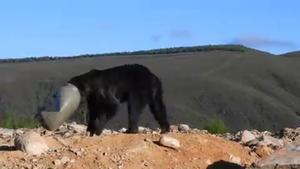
{"x": 106, "y": 89}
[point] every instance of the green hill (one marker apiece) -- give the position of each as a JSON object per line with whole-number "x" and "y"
{"x": 292, "y": 54}
{"x": 243, "y": 87}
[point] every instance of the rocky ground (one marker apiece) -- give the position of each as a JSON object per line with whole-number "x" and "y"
{"x": 183, "y": 147}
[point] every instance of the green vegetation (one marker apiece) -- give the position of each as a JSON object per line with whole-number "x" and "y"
{"x": 216, "y": 127}
{"x": 10, "y": 120}
{"x": 232, "y": 48}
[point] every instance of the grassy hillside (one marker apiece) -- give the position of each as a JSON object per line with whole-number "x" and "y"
{"x": 233, "y": 48}
{"x": 245, "y": 88}
{"x": 292, "y": 54}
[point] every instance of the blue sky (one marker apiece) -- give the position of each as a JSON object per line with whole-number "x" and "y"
{"x": 35, "y": 28}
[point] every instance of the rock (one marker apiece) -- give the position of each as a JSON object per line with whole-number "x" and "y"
{"x": 234, "y": 159}
{"x": 144, "y": 130}
{"x": 47, "y": 133}
{"x": 19, "y": 131}
{"x": 173, "y": 128}
{"x": 31, "y": 143}
{"x": 247, "y": 136}
{"x": 291, "y": 134}
{"x": 115, "y": 132}
{"x": 67, "y": 134}
{"x": 269, "y": 140}
{"x": 123, "y": 130}
{"x": 77, "y": 128}
{"x": 57, "y": 162}
{"x": 252, "y": 142}
{"x": 106, "y": 132}
{"x": 62, "y": 128}
{"x": 204, "y": 131}
{"x": 169, "y": 142}
{"x": 145, "y": 163}
{"x": 195, "y": 130}
{"x": 263, "y": 151}
{"x": 64, "y": 160}
{"x": 208, "y": 162}
{"x": 184, "y": 128}
{"x": 285, "y": 158}
{"x": 6, "y": 132}
{"x": 156, "y": 131}
{"x": 266, "y": 133}
{"x": 76, "y": 151}
{"x": 227, "y": 136}
{"x": 258, "y": 134}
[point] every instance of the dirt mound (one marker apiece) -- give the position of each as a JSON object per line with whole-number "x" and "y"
{"x": 121, "y": 150}
{"x": 70, "y": 147}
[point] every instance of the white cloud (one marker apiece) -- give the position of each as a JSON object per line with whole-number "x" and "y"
{"x": 181, "y": 34}
{"x": 156, "y": 38}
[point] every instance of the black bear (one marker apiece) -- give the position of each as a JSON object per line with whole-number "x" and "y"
{"x": 106, "y": 89}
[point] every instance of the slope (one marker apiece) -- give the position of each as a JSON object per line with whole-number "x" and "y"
{"x": 246, "y": 89}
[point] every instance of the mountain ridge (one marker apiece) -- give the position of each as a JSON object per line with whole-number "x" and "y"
{"x": 169, "y": 50}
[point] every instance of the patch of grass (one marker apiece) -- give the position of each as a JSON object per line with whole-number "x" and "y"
{"x": 216, "y": 127}
{"x": 10, "y": 120}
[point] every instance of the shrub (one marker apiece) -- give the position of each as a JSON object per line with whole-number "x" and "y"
{"x": 10, "y": 120}
{"x": 216, "y": 127}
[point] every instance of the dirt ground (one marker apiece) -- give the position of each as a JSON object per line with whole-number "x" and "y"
{"x": 128, "y": 151}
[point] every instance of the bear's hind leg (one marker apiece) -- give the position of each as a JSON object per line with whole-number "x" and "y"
{"x": 97, "y": 116}
{"x": 158, "y": 109}
{"x": 136, "y": 105}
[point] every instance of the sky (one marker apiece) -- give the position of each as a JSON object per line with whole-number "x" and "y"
{"x": 34, "y": 28}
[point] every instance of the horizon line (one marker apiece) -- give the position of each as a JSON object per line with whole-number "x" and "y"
{"x": 136, "y": 52}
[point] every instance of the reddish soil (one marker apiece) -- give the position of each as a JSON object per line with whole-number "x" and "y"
{"x": 128, "y": 151}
